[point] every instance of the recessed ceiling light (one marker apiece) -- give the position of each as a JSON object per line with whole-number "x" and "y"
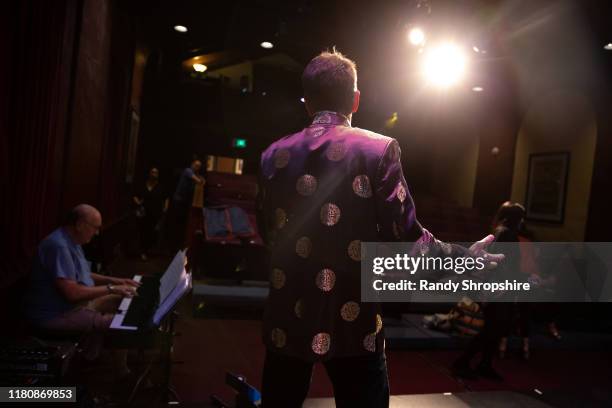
{"x": 267, "y": 45}
{"x": 200, "y": 67}
{"x": 302, "y": 99}
{"x": 478, "y": 89}
{"x": 180, "y": 28}
{"x": 608, "y": 47}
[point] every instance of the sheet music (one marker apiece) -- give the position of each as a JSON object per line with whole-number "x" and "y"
{"x": 174, "y": 283}
{"x": 181, "y": 288}
{"x": 172, "y": 276}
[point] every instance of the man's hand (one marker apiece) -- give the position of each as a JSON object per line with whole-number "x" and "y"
{"x": 479, "y": 249}
{"x": 126, "y": 282}
{"x": 124, "y": 290}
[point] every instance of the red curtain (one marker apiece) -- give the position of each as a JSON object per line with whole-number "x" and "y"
{"x": 37, "y": 80}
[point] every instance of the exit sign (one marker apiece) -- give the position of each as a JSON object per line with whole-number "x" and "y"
{"x": 239, "y": 143}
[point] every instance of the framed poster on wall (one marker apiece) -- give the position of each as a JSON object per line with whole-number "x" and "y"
{"x": 547, "y": 187}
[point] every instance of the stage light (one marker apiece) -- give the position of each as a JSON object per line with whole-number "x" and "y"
{"x": 200, "y": 67}
{"x": 478, "y": 89}
{"x": 302, "y": 100}
{"x": 444, "y": 65}
{"x": 608, "y": 47}
{"x": 416, "y": 36}
{"x": 267, "y": 45}
{"x": 180, "y": 28}
{"x": 476, "y": 49}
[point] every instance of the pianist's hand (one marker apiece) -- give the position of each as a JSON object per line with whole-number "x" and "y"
{"x": 125, "y": 290}
{"x": 126, "y": 281}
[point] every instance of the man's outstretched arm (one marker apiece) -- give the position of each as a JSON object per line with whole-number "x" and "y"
{"x": 397, "y": 214}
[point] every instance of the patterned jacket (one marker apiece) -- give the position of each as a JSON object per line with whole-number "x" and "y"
{"x": 324, "y": 191}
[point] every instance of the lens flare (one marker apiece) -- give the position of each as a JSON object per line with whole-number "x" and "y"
{"x": 444, "y": 65}
{"x": 416, "y": 36}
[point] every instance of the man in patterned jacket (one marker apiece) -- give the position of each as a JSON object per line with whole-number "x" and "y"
{"x": 324, "y": 191}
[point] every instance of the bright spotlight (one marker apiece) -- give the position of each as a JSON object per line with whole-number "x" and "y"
{"x": 416, "y": 36}
{"x": 267, "y": 45}
{"x": 608, "y": 47}
{"x": 199, "y": 67}
{"x": 478, "y": 89}
{"x": 302, "y": 100}
{"x": 444, "y": 65}
{"x": 180, "y": 28}
{"x": 476, "y": 49}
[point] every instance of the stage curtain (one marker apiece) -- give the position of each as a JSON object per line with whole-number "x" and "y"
{"x": 36, "y": 80}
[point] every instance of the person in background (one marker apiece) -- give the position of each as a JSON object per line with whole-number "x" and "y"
{"x": 181, "y": 202}
{"x": 63, "y": 294}
{"x": 151, "y": 203}
{"x": 529, "y": 267}
{"x": 498, "y": 314}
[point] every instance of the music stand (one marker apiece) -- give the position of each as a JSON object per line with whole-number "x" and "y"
{"x": 164, "y": 319}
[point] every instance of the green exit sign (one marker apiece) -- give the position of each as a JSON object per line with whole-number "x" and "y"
{"x": 239, "y": 143}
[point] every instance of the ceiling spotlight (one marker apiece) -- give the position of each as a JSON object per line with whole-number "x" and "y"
{"x": 199, "y": 67}
{"x": 302, "y": 99}
{"x": 478, "y": 89}
{"x": 476, "y": 49}
{"x": 180, "y": 28}
{"x": 608, "y": 47}
{"x": 416, "y": 36}
{"x": 267, "y": 45}
{"x": 444, "y": 65}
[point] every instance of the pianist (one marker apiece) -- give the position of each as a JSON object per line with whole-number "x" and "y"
{"x": 64, "y": 295}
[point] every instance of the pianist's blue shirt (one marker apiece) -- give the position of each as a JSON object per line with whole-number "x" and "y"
{"x": 57, "y": 256}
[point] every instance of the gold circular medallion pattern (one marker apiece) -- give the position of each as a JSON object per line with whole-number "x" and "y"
{"x": 326, "y": 279}
{"x": 369, "y": 342}
{"x": 330, "y": 214}
{"x": 362, "y": 187}
{"x": 350, "y": 311}
{"x": 277, "y": 278}
{"x": 354, "y": 250}
{"x": 303, "y": 247}
{"x": 321, "y": 343}
{"x": 401, "y": 192}
{"x": 278, "y": 337}
{"x": 336, "y": 151}
{"x": 306, "y": 185}
{"x": 281, "y": 158}
{"x": 280, "y": 218}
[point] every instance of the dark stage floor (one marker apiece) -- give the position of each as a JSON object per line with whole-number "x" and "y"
{"x": 557, "y": 376}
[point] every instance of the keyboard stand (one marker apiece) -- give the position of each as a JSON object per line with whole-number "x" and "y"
{"x": 166, "y": 333}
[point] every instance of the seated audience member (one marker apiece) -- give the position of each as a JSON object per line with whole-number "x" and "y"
{"x": 64, "y": 295}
